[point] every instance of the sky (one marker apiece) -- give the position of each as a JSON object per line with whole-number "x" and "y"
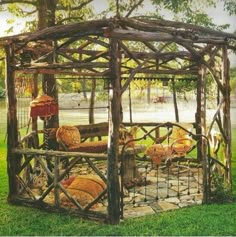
{"x": 218, "y": 15}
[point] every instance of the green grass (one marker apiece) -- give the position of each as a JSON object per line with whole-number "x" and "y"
{"x": 200, "y": 220}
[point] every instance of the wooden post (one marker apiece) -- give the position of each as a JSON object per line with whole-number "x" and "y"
{"x": 113, "y": 140}
{"x": 13, "y": 161}
{"x": 198, "y": 114}
{"x": 201, "y": 129}
{"x": 226, "y": 115}
{"x": 56, "y": 177}
{"x": 130, "y": 171}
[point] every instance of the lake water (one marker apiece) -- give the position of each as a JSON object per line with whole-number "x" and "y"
{"x": 141, "y": 112}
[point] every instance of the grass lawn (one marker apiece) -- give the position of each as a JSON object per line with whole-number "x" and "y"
{"x": 215, "y": 219}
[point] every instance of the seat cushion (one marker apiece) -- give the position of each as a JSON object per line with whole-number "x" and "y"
{"x": 90, "y": 147}
{"x": 84, "y": 189}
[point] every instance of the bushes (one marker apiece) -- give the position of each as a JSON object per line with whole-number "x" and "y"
{"x": 221, "y": 192}
{"x": 2, "y": 92}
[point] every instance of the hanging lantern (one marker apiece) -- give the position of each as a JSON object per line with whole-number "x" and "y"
{"x": 44, "y": 107}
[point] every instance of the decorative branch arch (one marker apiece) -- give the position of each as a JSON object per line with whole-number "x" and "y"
{"x": 195, "y": 50}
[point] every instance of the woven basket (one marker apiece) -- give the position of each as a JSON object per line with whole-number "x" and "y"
{"x": 182, "y": 146}
{"x": 158, "y": 152}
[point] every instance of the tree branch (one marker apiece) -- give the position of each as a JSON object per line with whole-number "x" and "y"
{"x": 133, "y": 8}
{"x": 17, "y": 1}
{"x": 30, "y": 13}
{"x": 77, "y": 7}
{"x": 68, "y": 19}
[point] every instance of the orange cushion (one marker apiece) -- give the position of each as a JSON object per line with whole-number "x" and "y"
{"x": 84, "y": 189}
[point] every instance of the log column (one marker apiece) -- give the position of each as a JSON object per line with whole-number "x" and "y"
{"x": 226, "y": 115}
{"x": 13, "y": 160}
{"x": 201, "y": 129}
{"x": 113, "y": 140}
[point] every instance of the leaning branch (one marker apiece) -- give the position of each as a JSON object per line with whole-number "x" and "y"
{"x": 133, "y": 8}
{"x": 77, "y": 7}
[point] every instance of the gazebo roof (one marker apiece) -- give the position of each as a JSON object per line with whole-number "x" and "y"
{"x": 157, "y": 46}
{"x": 126, "y": 28}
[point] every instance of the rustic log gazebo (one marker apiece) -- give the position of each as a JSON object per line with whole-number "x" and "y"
{"x": 120, "y": 49}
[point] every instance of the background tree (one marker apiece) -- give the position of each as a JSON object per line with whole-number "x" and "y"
{"x": 2, "y": 74}
{"x": 48, "y": 11}
{"x": 56, "y": 12}
{"x": 230, "y": 6}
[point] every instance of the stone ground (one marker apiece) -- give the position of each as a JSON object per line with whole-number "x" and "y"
{"x": 169, "y": 190}
{"x": 174, "y": 191}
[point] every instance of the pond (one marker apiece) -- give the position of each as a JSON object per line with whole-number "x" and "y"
{"x": 141, "y": 112}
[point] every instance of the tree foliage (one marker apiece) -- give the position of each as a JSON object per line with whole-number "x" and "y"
{"x": 67, "y": 11}
{"x": 56, "y": 11}
{"x": 230, "y": 6}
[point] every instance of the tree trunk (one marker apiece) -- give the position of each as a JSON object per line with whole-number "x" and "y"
{"x": 83, "y": 85}
{"x": 46, "y": 13}
{"x": 46, "y": 18}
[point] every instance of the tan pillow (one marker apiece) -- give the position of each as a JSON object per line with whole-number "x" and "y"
{"x": 84, "y": 189}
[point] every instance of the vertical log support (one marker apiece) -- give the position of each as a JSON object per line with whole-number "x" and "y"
{"x": 226, "y": 115}
{"x": 13, "y": 161}
{"x": 56, "y": 177}
{"x": 113, "y": 142}
{"x": 201, "y": 129}
{"x": 198, "y": 114}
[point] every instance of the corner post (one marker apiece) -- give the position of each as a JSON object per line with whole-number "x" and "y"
{"x": 201, "y": 130}
{"x": 113, "y": 140}
{"x": 13, "y": 161}
{"x": 226, "y": 115}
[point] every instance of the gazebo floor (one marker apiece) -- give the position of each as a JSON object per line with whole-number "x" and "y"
{"x": 184, "y": 190}
{"x": 169, "y": 188}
